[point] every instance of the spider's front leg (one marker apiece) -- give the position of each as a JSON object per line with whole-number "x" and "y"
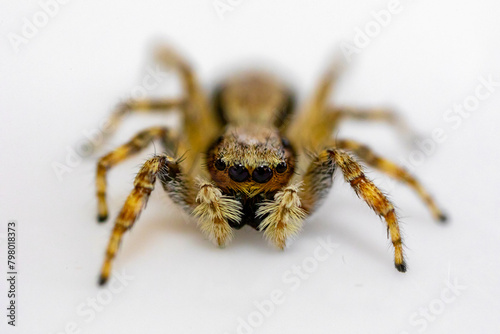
{"x": 282, "y": 218}
{"x": 318, "y": 180}
{"x": 175, "y": 184}
{"x": 214, "y": 211}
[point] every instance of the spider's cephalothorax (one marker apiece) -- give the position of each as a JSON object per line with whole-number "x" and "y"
{"x": 251, "y": 164}
{"x": 251, "y": 173}
{"x": 251, "y": 160}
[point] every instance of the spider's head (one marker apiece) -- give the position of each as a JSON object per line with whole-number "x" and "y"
{"x": 251, "y": 160}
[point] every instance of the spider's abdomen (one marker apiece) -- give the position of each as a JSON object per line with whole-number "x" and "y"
{"x": 253, "y": 98}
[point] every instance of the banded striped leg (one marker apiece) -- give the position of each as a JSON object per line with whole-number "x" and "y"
{"x": 282, "y": 217}
{"x": 317, "y": 182}
{"x": 371, "y": 114}
{"x": 160, "y": 105}
{"x": 198, "y": 113}
{"x": 168, "y": 171}
{"x": 193, "y": 104}
{"x": 312, "y": 127}
{"x": 391, "y": 169}
{"x": 170, "y": 58}
{"x": 214, "y": 211}
{"x": 138, "y": 142}
{"x": 143, "y": 105}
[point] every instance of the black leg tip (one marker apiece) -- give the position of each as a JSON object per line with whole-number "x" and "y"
{"x": 401, "y": 267}
{"x": 442, "y": 218}
{"x": 102, "y": 218}
{"x": 102, "y": 280}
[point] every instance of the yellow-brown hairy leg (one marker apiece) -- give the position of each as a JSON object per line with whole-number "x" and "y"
{"x": 313, "y": 125}
{"x": 170, "y": 58}
{"x": 282, "y": 217}
{"x": 390, "y": 168}
{"x": 213, "y": 211}
{"x": 369, "y": 114}
{"x": 138, "y": 142}
{"x": 135, "y": 203}
{"x": 364, "y": 188}
{"x": 338, "y": 114}
{"x": 143, "y": 105}
{"x": 198, "y": 112}
{"x": 193, "y": 104}
{"x": 317, "y": 181}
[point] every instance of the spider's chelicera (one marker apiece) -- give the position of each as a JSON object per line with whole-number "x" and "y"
{"x": 265, "y": 165}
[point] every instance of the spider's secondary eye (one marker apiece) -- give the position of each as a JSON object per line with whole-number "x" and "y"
{"x": 262, "y": 174}
{"x": 238, "y": 173}
{"x": 219, "y": 164}
{"x": 285, "y": 142}
{"x": 281, "y": 168}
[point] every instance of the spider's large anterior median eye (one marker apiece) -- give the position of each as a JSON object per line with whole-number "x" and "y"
{"x": 281, "y": 168}
{"x": 262, "y": 174}
{"x": 238, "y": 173}
{"x": 219, "y": 164}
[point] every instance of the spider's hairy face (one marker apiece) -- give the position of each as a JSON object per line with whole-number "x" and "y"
{"x": 251, "y": 160}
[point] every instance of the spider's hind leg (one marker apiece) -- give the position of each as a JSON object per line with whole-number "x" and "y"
{"x": 372, "y": 114}
{"x": 198, "y": 112}
{"x": 192, "y": 104}
{"x": 313, "y": 127}
{"x": 143, "y": 106}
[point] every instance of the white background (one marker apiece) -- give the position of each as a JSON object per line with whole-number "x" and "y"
{"x": 67, "y": 77}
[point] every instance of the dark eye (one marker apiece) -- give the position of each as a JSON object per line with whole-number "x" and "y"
{"x": 219, "y": 164}
{"x": 262, "y": 174}
{"x": 238, "y": 173}
{"x": 281, "y": 168}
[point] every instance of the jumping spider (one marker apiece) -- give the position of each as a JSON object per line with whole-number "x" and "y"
{"x": 265, "y": 165}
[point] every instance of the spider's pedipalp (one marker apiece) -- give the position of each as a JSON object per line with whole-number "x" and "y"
{"x": 214, "y": 211}
{"x": 282, "y": 217}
